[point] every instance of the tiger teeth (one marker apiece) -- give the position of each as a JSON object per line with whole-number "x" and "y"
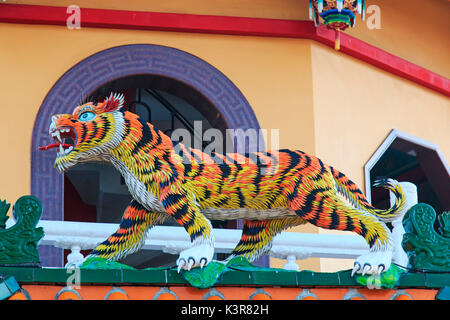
{"x": 62, "y": 152}
{"x": 56, "y": 134}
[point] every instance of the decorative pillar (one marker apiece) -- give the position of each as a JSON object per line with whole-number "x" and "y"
{"x": 74, "y": 258}
{"x": 291, "y": 264}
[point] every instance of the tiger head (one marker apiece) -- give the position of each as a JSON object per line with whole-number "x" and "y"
{"x": 88, "y": 134}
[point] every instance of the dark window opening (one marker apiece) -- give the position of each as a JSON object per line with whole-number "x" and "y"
{"x": 407, "y": 161}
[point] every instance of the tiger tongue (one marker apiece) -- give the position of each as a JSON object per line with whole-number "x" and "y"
{"x": 55, "y": 145}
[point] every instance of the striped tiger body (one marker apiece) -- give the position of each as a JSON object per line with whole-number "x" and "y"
{"x": 271, "y": 190}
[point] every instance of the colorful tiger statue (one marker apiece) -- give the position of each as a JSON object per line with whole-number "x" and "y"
{"x": 270, "y": 191}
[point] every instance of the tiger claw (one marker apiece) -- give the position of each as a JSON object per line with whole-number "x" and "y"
{"x": 381, "y": 268}
{"x": 373, "y": 263}
{"x": 191, "y": 262}
{"x": 181, "y": 263}
{"x": 356, "y": 268}
{"x": 197, "y": 256}
{"x": 366, "y": 268}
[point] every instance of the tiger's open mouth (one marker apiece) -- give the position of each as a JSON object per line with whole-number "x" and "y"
{"x": 65, "y": 139}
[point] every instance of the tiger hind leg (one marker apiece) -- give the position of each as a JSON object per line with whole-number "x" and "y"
{"x": 323, "y": 208}
{"x": 257, "y": 235}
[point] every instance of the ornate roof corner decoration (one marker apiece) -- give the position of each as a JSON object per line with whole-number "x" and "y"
{"x": 427, "y": 248}
{"x": 337, "y": 15}
{"x": 19, "y": 243}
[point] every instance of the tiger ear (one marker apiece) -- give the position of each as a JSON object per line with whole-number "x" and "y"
{"x": 114, "y": 102}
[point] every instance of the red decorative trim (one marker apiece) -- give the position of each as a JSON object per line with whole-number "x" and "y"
{"x": 139, "y": 20}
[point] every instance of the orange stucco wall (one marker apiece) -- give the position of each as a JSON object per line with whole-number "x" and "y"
{"x": 323, "y": 102}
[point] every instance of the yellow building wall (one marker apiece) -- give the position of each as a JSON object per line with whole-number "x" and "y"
{"x": 415, "y": 30}
{"x": 357, "y": 105}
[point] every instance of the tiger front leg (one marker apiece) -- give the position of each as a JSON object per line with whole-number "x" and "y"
{"x": 184, "y": 209}
{"x": 131, "y": 234}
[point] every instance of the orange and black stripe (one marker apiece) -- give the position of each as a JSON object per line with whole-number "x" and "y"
{"x": 130, "y": 235}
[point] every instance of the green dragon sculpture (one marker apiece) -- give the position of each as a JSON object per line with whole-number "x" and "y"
{"x": 19, "y": 243}
{"x": 427, "y": 249}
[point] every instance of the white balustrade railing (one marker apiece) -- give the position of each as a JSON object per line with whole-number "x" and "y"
{"x": 291, "y": 246}
{"x": 288, "y": 245}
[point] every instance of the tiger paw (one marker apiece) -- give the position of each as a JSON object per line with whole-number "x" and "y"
{"x": 197, "y": 256}
{"x": 372, "y": 263}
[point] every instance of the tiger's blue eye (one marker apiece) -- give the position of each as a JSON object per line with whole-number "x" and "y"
{"x": 86, "y": 116}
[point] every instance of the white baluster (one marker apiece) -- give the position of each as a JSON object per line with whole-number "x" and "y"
{"x": 291, "y": 254}
{"x": 290, "y": 263}
{"x": 75, "y": 258}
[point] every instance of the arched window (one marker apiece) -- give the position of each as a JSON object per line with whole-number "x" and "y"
{"x": 407, "y": 158}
